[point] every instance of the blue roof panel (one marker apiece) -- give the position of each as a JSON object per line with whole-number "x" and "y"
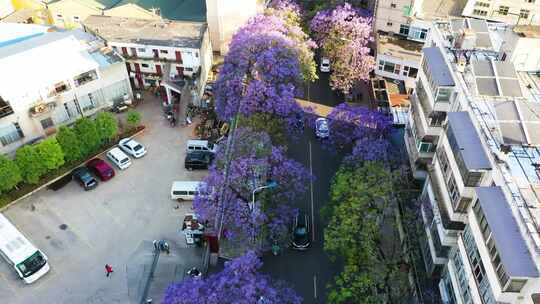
{"x": 440, "y": 73}
{"x": 515, "y": 256}
{"x": 468, "y": 142}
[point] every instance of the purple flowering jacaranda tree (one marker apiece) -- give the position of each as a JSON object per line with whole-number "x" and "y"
{"x": 344, "y": 34}
{"x": 349, "y": 123}
{"x": 255, "y": 161}
{"x": 240, "y": 282}
{"x": 260, "y": 72}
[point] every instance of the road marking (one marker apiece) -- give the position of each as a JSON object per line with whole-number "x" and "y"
{"x": 314, "y": 286}
{"x": 311, "y": 188}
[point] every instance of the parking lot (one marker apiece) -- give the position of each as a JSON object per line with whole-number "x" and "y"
{"x": 115, "y": 223}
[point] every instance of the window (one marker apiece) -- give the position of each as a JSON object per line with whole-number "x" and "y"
{"x": 443, "y": 95}
{"x": 76, "y": 19}
{"x": 388, "y": 23}
{"x": 515, "y": 285}
{"x": 479, "y": 12}
{"x": 164, "y": 51}
{"x": 188, "y": 69}
{"x": 524, "y": 13}
{"x": 389, "y": 67}
{"x": 453, "y": 190}
{"x": 530, "y": 1}
{"x": 10, "y": 133}
{"x": 481, "y": 4}
{"x": 393, "y": 5}
{"x": 142, "y": 50}
{"x": 144, "y": 65}
{"x": 410, "y": 71}
{"x": 61, "y": 87}
{"x": 418, "y": 33}
{"x": 85, "y": 78}
{"x": 503, "y": 10}
{"x": 404, "y": 29}
{"x": 5, "y": 108}
{"x": 47, "y": 123}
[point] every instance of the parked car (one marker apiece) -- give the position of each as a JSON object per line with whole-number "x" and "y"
{"x": 84, "y": 178}
{"x": 197, "y": 160}
{"x": 321, "y": 128}
{"x": 101, "y": 169}
{"x": 119, "y": 158}
{"x": 300, "y": 232}
{"x": 132, "y": 147}
{"x": 325, "y": 65}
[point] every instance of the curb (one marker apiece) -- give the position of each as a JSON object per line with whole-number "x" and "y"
{"x": 61, "y": 176}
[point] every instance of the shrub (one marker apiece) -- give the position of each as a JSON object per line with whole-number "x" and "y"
{"x": 51, "y": 153}
{"x": 29, "y": 162}
{"x": 70, "y": 144}
{"x": 10, "y": 175}
{"x": 86, "y": 131}
{"x": 133, "y": 119}
{"x": 107, "y": 126}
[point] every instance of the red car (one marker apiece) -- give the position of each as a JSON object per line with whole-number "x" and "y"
{"x": 101, "y": 169}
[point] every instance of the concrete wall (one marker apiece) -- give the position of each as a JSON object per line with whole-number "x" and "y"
{"x": 65, "y": 13}
{"x": 402, "y": 62}
{"x": 390, "y": 15}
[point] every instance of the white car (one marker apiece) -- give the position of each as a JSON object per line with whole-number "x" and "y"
{"x": 322, "y": 129}
{"x": 132, "y": 147}
{"x": 325, "y": 65}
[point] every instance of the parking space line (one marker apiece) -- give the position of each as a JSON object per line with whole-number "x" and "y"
{"x": 315, "y": 286}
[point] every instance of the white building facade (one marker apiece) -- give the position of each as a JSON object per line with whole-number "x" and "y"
{"x": 472, "y": 137}
{"x": 53, "y": 79}
{"x": 157, "y": 52}
{"x": 514, "y": 12}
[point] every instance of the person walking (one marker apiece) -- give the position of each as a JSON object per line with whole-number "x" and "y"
{"x": 108, "y": 269}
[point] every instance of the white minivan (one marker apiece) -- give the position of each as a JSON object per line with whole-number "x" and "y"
{"x": 119, "y": 158}
{"x": 185, "y": 190}
{"x": 28, "y": 261}
{"x": 201, "y": 145}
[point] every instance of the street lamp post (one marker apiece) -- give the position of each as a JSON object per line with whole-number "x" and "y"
{"x": 271, "y": 184}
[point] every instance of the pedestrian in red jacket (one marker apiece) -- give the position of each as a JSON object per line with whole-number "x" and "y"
{"x": 108, "y": 269}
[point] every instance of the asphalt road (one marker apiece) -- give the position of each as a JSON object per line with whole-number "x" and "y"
{"x": 309, "y": 271}
{"x": 320, "y": 92}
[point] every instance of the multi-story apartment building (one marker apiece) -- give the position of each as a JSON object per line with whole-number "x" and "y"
{"x": 473, "y": 136}
{"x": 51, "y": 78}
{"x": 515, "y": 12}
{"x": 158, "y": 52}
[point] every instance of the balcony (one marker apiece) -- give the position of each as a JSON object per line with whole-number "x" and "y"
{"x": 451, "y": 227}
{"x": 5, "y": 108}
{"x": 85, "y": 78}
{"x": 41, "y": 108}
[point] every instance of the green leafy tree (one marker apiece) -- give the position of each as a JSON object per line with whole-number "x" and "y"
{"x": 10, "y": 175}
{"x": 51, "y": 153}
{"x": 86, "y": 131}
{"x": 362, "y": 232}
{"x": 265, "y": 122}
{"x": 29, "y": 162}
{"x": 70, "y": 144}
{"x": 107, "y": 126}
{"x": 133, "y": 119}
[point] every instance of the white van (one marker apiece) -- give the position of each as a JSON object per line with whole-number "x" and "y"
{"x": 201, "y": 145}
{"x": 185, "y": 191}
{"x": 28, "y": 261}
{"x": 119, "y": 158}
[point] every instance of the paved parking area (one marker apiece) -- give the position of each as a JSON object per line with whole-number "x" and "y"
{"x": 115, "y": 223}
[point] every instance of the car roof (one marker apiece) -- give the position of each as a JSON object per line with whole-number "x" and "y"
{"x": 130, "y": 142}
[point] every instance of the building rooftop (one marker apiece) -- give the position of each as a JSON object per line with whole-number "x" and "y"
{"x": 399, "y": 47}
{"x": 527, "y": 31}
{"x": 437, "y": 67}
{"x": 515, "y": 257}
{"x": 509, "y": 124}
{"x": 50, "y": 58}
{"x": 149, "y": 32}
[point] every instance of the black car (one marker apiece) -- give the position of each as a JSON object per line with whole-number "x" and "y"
{"x": 197, "y": 160}
{"x": 83, "y": 176}
{"x": 300, "y": 232}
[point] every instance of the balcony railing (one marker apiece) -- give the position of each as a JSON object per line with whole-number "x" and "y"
{"x": 439, "y": 199}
